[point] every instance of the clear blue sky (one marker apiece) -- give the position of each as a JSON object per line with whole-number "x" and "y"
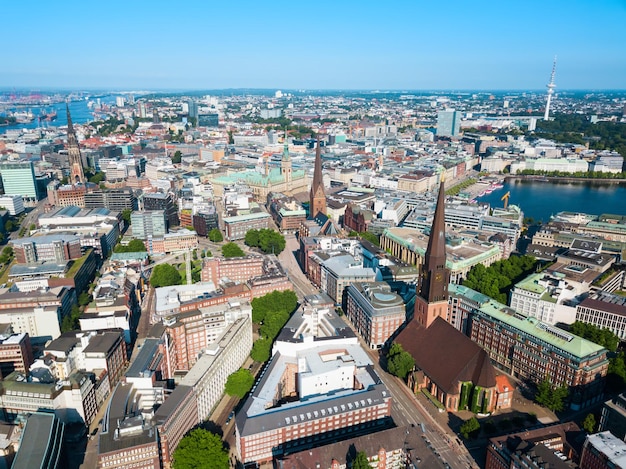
{"x": 204, "y": 44}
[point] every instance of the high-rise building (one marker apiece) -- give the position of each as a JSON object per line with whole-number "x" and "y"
{"x": 448, "y": 123}
{"x": 317, "y": 196}
{"x": 160, "y": 201}
{"x": 77, "y": 176}
{"x": 149, "y": 223}
{"x": 19, "y": 179}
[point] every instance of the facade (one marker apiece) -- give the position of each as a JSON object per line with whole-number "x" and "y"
{"x": 236, "y": 227}
{"x": 164, "y": 202}
{"x": 19, "y": 179}
{"x": 340, "y": 271}
{"x": 553, "y": 446}
{"x": 287, "y": 212}
{"x": 114, "y": 199}
{"x": 530, "y": 349}
{"x": 13, "y": 203}
{"x": 448, "y": 123}
{"x": 209, "y": 374}
{"x": 375, "y": 311}
{"x": 16, "y": 353}
{"x": 236, "y": 269}
{"x": 603, "y": 451}
{"x": 182, "y": 240}
{"x": 613, "y": 416}
{"x": 148, "y": 224}
{"x": 54, "y": 248}
{"x": 604, "y": 310}
{"x": 410, "y": 246}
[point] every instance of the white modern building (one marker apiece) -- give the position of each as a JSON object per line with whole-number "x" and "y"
{"x": 13, "y": 203}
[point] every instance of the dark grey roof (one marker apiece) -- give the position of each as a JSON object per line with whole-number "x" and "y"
{"x": 103, "y": 342}
{"x": 40, "y": 444}
{"x": 144, "y": 358}
{"x": 120, "y": 413}
{"x": 64, "y": 343}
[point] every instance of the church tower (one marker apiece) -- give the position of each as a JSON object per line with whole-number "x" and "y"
{"x": 317, "y": 196}
{"x": 431, "y": 300}
{"x": 75, "y": 160}
{"x": 285, "y": 165}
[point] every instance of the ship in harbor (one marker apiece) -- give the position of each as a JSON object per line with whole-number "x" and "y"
{"x": 47, "y": 115}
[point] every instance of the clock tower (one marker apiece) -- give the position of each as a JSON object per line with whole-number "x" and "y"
{"x": 432, "y": 290}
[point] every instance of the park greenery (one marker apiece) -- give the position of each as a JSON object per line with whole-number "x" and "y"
{"x": 551, "y": 396}
{"x": 232, "y": 250}
{"x": 367, "y": 236}
{"x": 164, "y": 275}
{"x": 113, "y": 125}
{"x": 126, "y": 215}
{"x": 215, "y": 235}
{"x": 200, "y": 449}
{"x": 578, "y": 128}
{"x": 271, "y": 312}
{"x": 399, "y": 361}
{"x": 470, "y": 428}
{"x": 603, "y": 337}
{"x": 496, "y": 280}
{"x": 616, "y": 375}
{"x": 135, "y": 245}
{"x": 239, "y": 383}
{"x": 268, "y": 241}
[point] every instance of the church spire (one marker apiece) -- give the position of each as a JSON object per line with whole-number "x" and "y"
{"x": 317, "y": 196}
{"x": 431, "y": 300}
{"x": 77, "y": 176}
{"x": 434, "y": 281}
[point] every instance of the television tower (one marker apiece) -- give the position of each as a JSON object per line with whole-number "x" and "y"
{"x": 550, "y": 87}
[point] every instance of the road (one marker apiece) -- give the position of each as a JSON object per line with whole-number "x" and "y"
{"x": 289, "y": 262}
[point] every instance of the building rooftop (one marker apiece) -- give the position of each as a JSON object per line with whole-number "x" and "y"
{"x": 611, "y": 446}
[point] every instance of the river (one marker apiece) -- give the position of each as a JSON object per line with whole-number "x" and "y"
{"x": 540, "y": 200}
{"x": 79, "y": 110}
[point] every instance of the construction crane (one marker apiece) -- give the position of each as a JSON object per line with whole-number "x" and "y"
{"x": 505, "y": 198}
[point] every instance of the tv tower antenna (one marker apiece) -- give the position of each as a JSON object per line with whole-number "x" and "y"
{"x": 550, "y": 87}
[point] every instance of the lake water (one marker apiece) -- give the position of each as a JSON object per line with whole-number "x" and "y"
{"x": 540, "y": 200}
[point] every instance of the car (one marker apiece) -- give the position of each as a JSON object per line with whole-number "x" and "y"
{"x": 230, "y": 417}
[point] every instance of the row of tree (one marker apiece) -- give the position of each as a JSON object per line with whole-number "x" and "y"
{"x": 496, "y": 280}
{"x": 577, "y": 174}
{"x": 271, "y": 312}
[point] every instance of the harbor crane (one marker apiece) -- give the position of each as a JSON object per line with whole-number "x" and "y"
{"x": 505, "y": 199}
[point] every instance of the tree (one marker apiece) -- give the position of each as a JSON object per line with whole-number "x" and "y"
{"x": 589, "y": 424}
{"x": 550, "y": 396}
{"x": 9, "y": 226}
{"x": 399, "y": 362}
{"x": 97, "y": 178}
{"x": 215, "y": 235}
{"x": 71, "y": 321}
{"x": 164, "y": 275}
{"x": 126, "y": 215}
{"x": 239, "y": 383}
{"x": 252, "y": 238}
{"x": 177, "y": 157}
{"x": 604, "y": 337}
{"x": 261, "y": 350}
{"x": 200, "y": 449}
{"x": 360, "y": 461}
{"x": 470, "y": 428}
{"x": 84, "y": 299}
{"x": 232, "y": 250}
{"x": 135, "y": 245}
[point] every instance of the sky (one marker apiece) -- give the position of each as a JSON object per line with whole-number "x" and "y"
{"x": 340, "y": 44}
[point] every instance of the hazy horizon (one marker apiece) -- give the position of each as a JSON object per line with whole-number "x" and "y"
{"x": 401, "y": 45}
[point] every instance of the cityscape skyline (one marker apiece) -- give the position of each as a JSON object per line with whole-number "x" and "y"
{"x": 332, "y": 46}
